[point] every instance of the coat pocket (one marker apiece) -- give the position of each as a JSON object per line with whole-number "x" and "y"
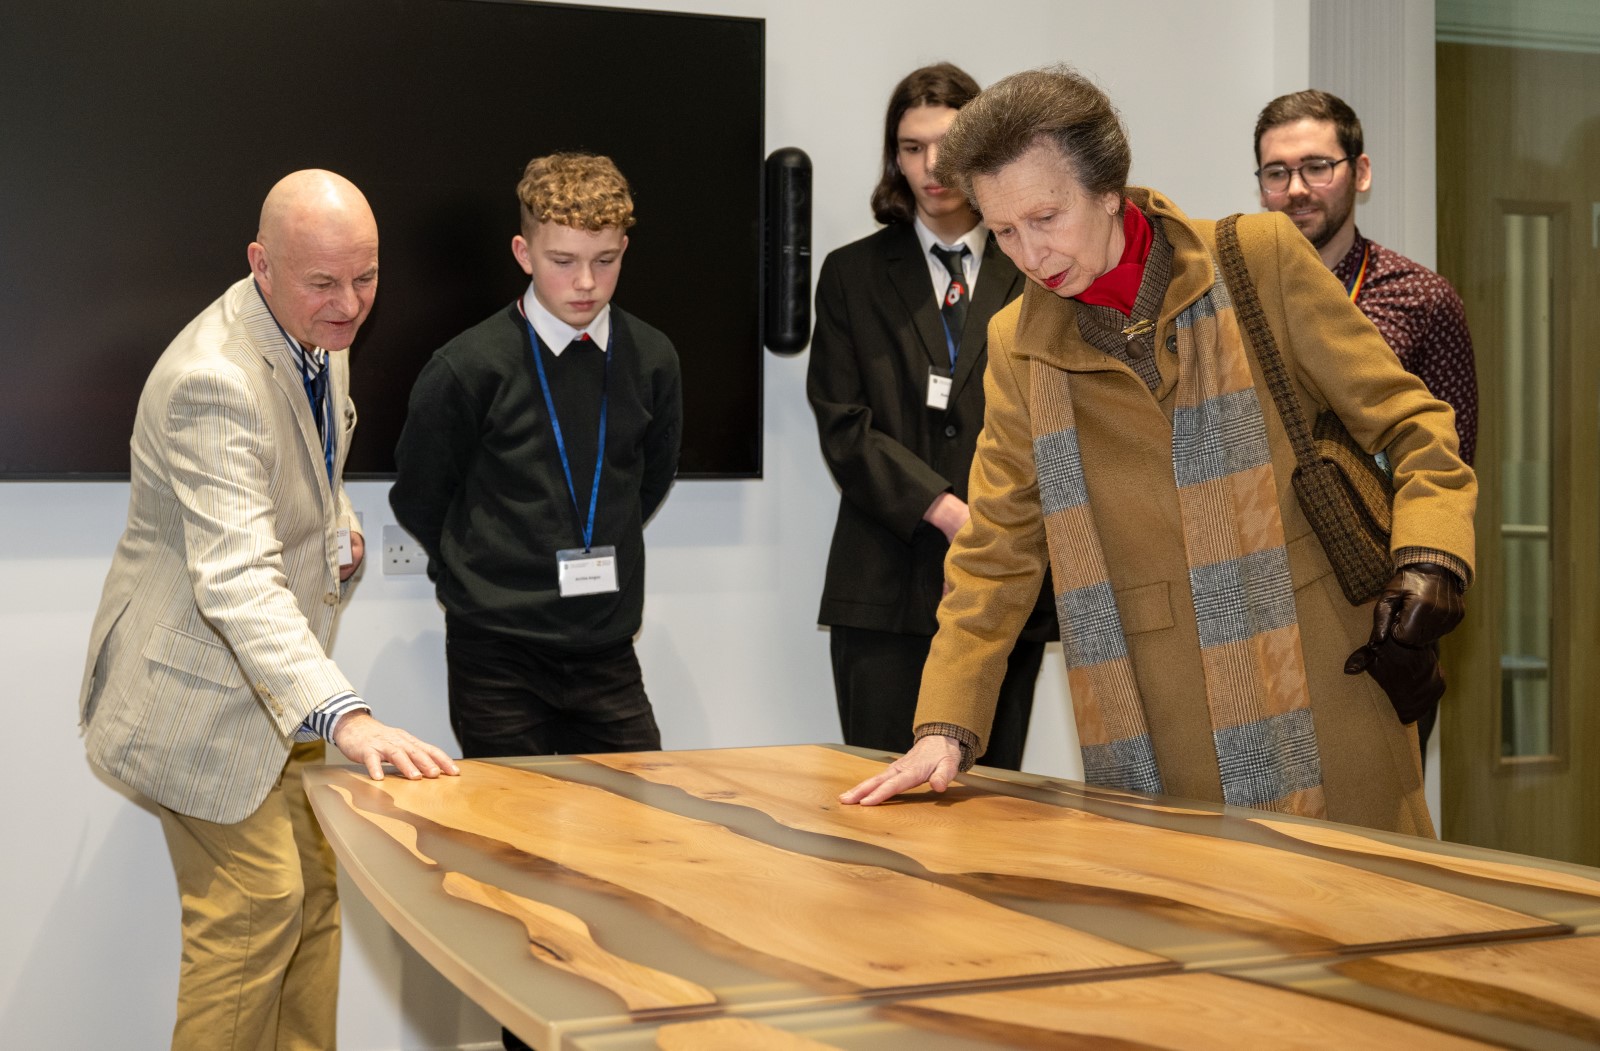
{"x": 202, "y": 658}
{"x": 1145, "y": 608}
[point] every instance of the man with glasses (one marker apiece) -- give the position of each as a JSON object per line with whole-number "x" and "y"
{"x": 1311, "y": 166}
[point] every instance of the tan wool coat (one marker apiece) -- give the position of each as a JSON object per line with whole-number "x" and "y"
{"x": 1336, "y": 359}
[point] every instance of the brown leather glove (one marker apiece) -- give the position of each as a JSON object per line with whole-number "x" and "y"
{"x": 1409, "y": 675}
{"x": 1420, "y": 604}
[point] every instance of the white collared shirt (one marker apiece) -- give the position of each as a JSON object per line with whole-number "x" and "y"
{"x": 556, "y": 333}
{"x": 974, "y": 240}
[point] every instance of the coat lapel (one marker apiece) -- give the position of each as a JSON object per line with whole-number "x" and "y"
{"x": 274, "y": 350}
{"x": 1050, "y": 324}
{"x": 909, "y": 276}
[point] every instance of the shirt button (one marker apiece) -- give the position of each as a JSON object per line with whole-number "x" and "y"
{"x": 949, "y": 430}
{"x": 1172, "y": 344}
{"x": 331, "y": 598}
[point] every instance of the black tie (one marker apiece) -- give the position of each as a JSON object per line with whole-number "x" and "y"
{"x": 953, "y": 308}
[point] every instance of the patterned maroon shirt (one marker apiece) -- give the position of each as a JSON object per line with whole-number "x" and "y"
{"x": 1421, "y": 318}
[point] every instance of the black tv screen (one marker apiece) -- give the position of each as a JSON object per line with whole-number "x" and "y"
{"x": 137, "y": 141}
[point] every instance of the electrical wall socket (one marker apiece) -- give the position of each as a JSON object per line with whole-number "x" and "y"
{"x": 402, "y": 555}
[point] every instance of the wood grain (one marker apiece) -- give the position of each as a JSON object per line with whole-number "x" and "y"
{"x": 1192, "y": 1012}
{"x": 563, "y": 940}
{"x": 732, "y": 1034}
{"x": 1551, "y": 984}
{"x": 866, "y": 925}
{"x": 971, "y": 832}
{"x": 1506, "y": 872}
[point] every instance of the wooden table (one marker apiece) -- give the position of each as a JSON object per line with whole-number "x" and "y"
{"x": 724, "y": 899}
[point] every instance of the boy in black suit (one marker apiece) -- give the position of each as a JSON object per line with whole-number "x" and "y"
{"x": 896, "y": 382}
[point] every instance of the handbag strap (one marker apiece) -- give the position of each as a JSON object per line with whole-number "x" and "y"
{"x": 1247, "y": 307}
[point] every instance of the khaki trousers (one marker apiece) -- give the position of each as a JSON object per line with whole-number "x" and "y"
{"x": 260, "y": 900}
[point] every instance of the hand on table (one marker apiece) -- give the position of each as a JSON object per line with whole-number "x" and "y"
{"x": 934, "y": 760}
{"x": 365, "y": 740}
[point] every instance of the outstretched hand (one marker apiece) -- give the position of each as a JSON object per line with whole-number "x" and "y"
{"x": 934, "y": 760}
{"x": 365, "y": 740}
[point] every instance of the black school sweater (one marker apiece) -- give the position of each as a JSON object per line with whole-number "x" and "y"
{"x": 480, "y": 484}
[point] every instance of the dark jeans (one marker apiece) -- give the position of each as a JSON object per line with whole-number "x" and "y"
{"x": 508, "y": 697}
{"x": 876, "y": 675}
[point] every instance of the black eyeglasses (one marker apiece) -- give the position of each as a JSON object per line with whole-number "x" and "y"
{"x": 1315, "y": 173}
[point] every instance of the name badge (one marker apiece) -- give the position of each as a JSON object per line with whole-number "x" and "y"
{"x": 938, "y": 390}
{"x": 592, "y": 572}
{"x": 341, "y": 537}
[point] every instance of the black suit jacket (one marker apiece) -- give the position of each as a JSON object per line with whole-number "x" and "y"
{"x": 878, "y": 332}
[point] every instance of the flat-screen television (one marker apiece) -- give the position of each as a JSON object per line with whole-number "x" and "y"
{"x": 137, "y": 141}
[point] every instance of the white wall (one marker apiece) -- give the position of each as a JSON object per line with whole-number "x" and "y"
{"x": 731, "y": 652}
{"x": 1378, "y": 55}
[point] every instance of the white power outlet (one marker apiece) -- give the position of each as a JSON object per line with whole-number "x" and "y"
{"x": 402, "y": 555}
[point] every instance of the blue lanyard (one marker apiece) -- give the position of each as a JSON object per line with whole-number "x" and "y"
{"x": 949, "y": 342}
{"x": 555, "y": 427}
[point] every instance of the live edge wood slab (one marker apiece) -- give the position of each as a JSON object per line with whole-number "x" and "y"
{"x": 726, "y": 899}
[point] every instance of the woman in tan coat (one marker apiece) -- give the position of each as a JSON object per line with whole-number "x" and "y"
{"x": 1131, "y": 445}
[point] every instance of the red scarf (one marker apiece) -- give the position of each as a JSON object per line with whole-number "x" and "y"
{"x": 1119, "y": 286}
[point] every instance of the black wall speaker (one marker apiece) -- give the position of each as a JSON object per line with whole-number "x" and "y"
{"x": 787, "y": 278}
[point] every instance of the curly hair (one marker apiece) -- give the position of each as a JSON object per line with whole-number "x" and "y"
{"x": 1056, "y": 105}
{"x": 582, "y": 190}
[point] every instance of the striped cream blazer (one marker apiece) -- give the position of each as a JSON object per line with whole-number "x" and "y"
{"x": 209, "y": 647}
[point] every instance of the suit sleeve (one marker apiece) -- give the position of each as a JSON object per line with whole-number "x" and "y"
{"x": 663, "y": 438}
{"x": 217, "y": 446}
{"x": 435, "y": 450}
{"x": 1344, "y": 364}
{"x": 997, "y": 563}
{"x": 886, "y": 481}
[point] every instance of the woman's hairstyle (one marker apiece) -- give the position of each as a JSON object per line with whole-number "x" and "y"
{"x": 941, "y": 84}
{"x": 1056, "y": 105}
{"x": 580, "y": 190}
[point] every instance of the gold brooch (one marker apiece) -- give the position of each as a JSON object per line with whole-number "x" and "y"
{"x": 1139, "y": 328}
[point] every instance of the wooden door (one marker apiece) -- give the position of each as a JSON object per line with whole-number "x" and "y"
{"x": 1519, "y": 235}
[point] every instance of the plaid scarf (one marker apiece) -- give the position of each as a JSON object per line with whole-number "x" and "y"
{"x": 1238, "y": 575}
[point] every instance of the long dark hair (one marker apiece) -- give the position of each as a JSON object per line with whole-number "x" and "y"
{"x": 941, "y": 84}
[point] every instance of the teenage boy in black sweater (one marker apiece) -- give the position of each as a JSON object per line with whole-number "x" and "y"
{"x": 537, "y": 444}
